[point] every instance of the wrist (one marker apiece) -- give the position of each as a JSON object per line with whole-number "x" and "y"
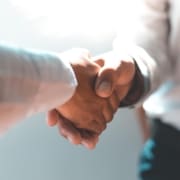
{"x": 139, "y": 88}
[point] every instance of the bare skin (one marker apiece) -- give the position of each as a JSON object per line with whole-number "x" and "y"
{"x": 111, "y": 80}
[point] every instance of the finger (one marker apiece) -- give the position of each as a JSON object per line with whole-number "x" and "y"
{"x": 90, "y": 144}
{"x": 108, "y": 112}
{"x": 122, "y": 91}
{"x": 105, "y": 82}
{"x": 67, "y": 130}
{"x": 98, "y": 61}
{"x": 98, "y": 125}
{"x": 125, "y": 71}
{"x": 114, "y": 101}
{"x": 52, "y": 118}
{"x": 90, "y": 139}
{"x": 106, "y": 77}
{"x": 115, "y": 71}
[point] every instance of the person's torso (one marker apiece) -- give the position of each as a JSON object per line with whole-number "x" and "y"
{"x": 166, "y": 101}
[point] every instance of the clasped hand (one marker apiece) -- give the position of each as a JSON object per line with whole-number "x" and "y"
{"x": 103, "y": 82}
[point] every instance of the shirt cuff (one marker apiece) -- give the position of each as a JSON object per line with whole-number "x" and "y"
{"x": 57, "y": 84}
{"x": 139, "y": 88}
{"x": 141, "y": 84}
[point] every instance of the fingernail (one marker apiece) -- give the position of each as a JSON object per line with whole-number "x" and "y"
{"x": 84, "y": 143}
{"x": 74, "y": 140}
{"x": 88, "y": 145}
{"x": 70, "y": 140}
{"x": 104, "y": 86}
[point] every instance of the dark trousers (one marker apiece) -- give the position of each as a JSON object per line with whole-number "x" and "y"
{"x": 160, "y": 158}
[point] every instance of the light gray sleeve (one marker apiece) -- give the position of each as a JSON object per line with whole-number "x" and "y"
{"x": 145, "y": 37}
{"x": 30, "y": 82}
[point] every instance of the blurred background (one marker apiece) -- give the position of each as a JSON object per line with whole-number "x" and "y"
{"x": 31, "y": 150}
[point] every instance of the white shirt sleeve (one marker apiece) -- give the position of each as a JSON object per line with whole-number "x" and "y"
{"x": 144, "y": 35}
{"x": 31, "y": 82}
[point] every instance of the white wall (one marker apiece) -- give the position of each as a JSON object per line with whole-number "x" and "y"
{"x": 31, "y": 150}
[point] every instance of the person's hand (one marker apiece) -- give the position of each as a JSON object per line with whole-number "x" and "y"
{"x": 70, "y": 132}
{"x": 115, "y": 76}
{"x": 85, "y": 109}
{"x": 85, "y": 115}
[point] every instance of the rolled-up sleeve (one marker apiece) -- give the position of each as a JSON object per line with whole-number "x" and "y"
{"x": 145, "y": 37}
{"x": 31, "y": 82}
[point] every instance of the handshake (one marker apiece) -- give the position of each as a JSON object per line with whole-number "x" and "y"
{"x": 103, "y": 83}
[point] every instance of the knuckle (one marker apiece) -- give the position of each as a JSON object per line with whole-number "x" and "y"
{"x": 109, "y": 118}
{"x": 63, "y": 133}
{"x": 98, "y": 126}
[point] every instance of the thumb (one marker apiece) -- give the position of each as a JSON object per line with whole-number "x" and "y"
{"x": 52, "y": 118}
{"x": 116, "y": 69}
{"x": 105, "y": 82}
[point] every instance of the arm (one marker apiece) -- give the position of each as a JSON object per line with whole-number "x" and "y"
{"x": 136, "y": 66}
{"x": 84, "y": 116}
{"x": 142, "y": 119}
{"x": 147, "y": 42}
{"x": 32, "y": 82}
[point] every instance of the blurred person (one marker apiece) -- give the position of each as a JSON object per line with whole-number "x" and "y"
{"x": 152, "y": 42}
{"x": 159, "y": 158}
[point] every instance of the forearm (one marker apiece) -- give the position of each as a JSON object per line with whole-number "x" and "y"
{"x": 147, "y": 43}
{"x": 32, "y": 82}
